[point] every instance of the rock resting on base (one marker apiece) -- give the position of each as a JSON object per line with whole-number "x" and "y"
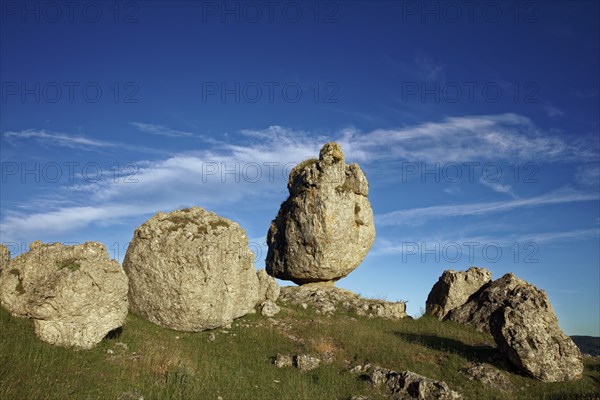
{"x": 191, "y": 270}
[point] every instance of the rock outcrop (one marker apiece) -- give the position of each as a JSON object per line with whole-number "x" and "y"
{"x": 75, "y": 294}
{"x": 4, "y": 257}
{"x": 190, "y": 270}
{"x": 327, "y": 299}
{"x": 454, "y": 288}
{"x": 524, "y": 326}
{"x": 268, "y": 289}
{"x": 409, "y": 385}
{"x": 325, "y": 228}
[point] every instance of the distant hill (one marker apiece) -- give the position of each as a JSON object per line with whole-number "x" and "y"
{"x": 588, "y": 344}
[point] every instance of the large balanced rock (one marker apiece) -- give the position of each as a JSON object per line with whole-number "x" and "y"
{"x": 75, "y": 294}
{"x": 325, "y": 228}
{"x": 4, "y": 256}
{"x": 454, "y": 288}
{"x": 190, "y": 270}
{"x": 526, "y": 331}
{"x": 524, "y": 326}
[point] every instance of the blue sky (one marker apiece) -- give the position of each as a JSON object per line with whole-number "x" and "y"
{"x": 476, "y": 125}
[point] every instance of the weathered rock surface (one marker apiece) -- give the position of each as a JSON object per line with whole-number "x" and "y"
{"x": 454, "y": 288}
{"x": 75, "y": 294}
{"x": 325, "y": 228}
{"x": 4, "y": 256}
{"x": 283, "y": 361}
{"x": 190, "y": 270}
{"x": 524, "y": 326}
{"x": 526, "y": 331}
{"x": 306, "y": 362}
{"x": 268, "y": 289}
{"x": 327, "y": 299}
{"x": 408, "y": 385}
{"x": 269, "y": 309}
{"x": 490, "y": 376}
{"x": 477, "y": 311}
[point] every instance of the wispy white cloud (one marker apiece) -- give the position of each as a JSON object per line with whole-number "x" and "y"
{"x": 160, "y": 130}
{"x": 44, "y": 137}
{"x": 588, "y": 175}
{"x": 429, "y": 69}
{"x": 225, "y": 173}
{"x": 552, "y": 111}
{"x": 498, "y": 187}
{"x": 505, "y": 137}
{"x": 416, "y": 216}
{"x": 59, "y": 139}
{"x": 467, "y": 243}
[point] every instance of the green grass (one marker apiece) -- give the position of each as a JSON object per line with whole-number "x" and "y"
{"x": 160, "y": 363}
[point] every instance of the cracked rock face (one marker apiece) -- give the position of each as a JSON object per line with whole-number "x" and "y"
{"x": 190, "y": 270}
{"x": 325, "y": 228}
{"x": 75, "y": 294}
{"x": 454, "y": 288}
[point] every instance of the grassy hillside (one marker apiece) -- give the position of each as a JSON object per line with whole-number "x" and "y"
{"x": 156, "y": 363}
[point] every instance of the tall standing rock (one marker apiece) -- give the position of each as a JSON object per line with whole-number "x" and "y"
{"x": 190, "y": 270}
{"x": 325, "y": 228}
{"x": 4, "y": 256}
{"x": 75, "y": 294}
{"x": 454, "y": 288}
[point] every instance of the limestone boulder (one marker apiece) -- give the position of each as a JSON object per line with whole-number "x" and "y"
{"x": 454, "y": 288}
{"x": 190, "y": 270}
{"x": 527, "y": 333}
{"x": 268, "y": 289}
{"x": 525, "y": 328}
{"x": 325, "y": 228}
{"x": 269, "y": 309}
{"x": 75, "y": 294}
